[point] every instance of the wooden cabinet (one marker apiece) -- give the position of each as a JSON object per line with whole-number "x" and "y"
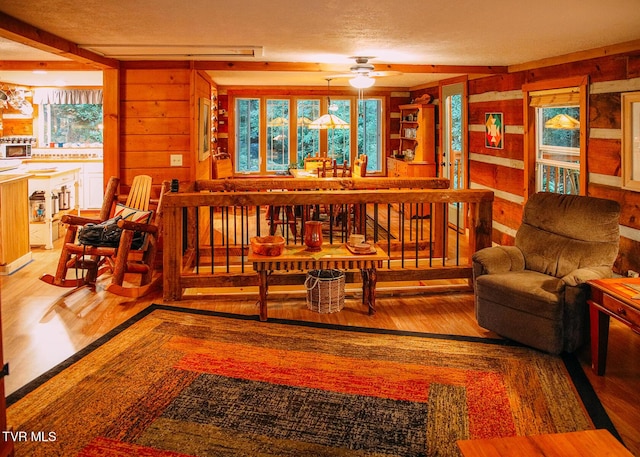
{"x": 14, "y": 223}
{"x": 92, "y": 186}
{"x": 44, "y": 232}
{"x": 397, "y": 168}
{"x": 418, "y": 132}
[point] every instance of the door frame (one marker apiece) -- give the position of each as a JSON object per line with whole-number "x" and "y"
{"x": 444, "y": 165}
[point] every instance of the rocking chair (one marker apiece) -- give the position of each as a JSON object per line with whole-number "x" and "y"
{"x": 93, "y": 261}
{"x": 141, "y": 261}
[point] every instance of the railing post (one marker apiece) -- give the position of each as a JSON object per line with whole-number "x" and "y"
{"x": 172, "y": 258}
{"x": 481, "y": 224}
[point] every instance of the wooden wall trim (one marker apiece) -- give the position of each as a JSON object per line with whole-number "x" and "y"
{"x": 111, "y": 124}
{"x": 619, "y": 48}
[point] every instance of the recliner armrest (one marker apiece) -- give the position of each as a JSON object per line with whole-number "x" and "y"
{"x": 497, "y": 259}
{"x": 582, "y": 275}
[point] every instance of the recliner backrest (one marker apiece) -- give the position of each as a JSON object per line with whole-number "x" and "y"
{"x": 560, "y": 233}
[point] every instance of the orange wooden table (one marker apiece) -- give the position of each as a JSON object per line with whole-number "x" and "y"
{"x": 588, "y": 443}
{"x": 615, "y": 297}
{"x": 332, "y": 256}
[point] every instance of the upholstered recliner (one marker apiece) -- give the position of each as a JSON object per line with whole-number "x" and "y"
{"x": 534, "y": 292}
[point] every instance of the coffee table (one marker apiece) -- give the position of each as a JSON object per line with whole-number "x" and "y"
{"x": 331, "y": 256}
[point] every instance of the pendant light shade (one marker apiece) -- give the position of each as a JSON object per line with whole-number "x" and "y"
{"x": 562, "y": 122}
{"x": 328, "y": 121}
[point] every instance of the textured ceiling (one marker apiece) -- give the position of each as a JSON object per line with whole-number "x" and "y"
{"x": 452, "y": 32}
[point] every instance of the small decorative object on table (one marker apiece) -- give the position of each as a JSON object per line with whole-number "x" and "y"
{"x": 267, "y": 245}
{"x": 313, "y": 235}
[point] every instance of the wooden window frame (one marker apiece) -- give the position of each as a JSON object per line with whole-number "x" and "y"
{"x": 630, "y": 120}
{"x": 529, "y": 124}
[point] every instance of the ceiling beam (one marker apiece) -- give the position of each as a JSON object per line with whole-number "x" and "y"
{"x": 49, "y": 65}
{"x": 21, "y": 32}
{"x": 213, "y": 65}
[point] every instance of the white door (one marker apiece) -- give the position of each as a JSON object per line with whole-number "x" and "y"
{"x": 454, "y": 154}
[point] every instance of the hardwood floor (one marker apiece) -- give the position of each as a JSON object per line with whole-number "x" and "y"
{"x": 38, "y": 334}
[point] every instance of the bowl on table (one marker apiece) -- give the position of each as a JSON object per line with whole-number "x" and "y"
{"x": 267, "y": 245}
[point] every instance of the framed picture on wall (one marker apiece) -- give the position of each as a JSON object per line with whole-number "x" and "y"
{"x": 204, "y": 128}
{"x": 494, "y": 130}
{"x": 631, "y": 141}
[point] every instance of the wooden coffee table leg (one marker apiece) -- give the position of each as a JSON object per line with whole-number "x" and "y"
{"x": 369, "y": 278}
{"x": 599, "y": 323}
{"x": 365, "y": 290}
{"x": 264, "y": 288}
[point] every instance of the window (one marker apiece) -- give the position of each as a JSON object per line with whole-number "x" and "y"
{"x": 339, "y": 140}
{"x": 247, "y": 135}
{"x": 555, "y": 150}
{"x": 370, "y": 132}
{"x": 78, "y": 125}
{"x": 308, "y": 139}
{"x": 277, "y": 135}
{"x": 69, "y": 116}
{"x": 272, "y": 133}
{"x": 558, "y": 149}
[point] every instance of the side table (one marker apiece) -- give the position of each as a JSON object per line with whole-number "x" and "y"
{"x": 617, "y": 298}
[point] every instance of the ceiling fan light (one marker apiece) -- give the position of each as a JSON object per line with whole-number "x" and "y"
{"x": 362, "y": 82}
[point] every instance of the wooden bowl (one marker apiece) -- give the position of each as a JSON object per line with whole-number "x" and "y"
{"x": 267, "y": 245}
{"x": 363, "y": 247}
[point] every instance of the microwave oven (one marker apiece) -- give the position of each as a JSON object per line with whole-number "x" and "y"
{"x": 15, "y": 151}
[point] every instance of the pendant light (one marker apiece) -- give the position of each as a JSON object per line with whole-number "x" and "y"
{"x": 329, "y": 121}
{"x": 562, "y": 122}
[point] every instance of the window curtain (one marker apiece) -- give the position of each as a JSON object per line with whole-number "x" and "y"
{"x": 43, "y": 96}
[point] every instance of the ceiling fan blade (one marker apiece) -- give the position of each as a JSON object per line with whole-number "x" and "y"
{"x": 381, "y": 74}
{"x": 342, "y": 75}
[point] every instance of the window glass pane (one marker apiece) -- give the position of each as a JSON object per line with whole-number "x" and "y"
{"x": 247, "y": 135}
{"x": 308, "y": 139}
{"x": 369, "y": 132}
{"x": 558, "y": 151}
{"x": 565, "y": 137}
{"x": 77, "y": 125}
{"x": 339, "y": 140}
{"x": 277, "y": 135}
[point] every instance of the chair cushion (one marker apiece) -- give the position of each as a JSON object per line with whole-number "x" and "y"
{"x": 132, "y": 214}
{"x": 527, "y": 291}
{"x": 561, "y": 233}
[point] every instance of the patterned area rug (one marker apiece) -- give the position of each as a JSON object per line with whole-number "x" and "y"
{"x": 176, "y": 382}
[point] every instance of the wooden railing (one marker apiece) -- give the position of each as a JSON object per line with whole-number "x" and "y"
{"x": 207, "y": 228}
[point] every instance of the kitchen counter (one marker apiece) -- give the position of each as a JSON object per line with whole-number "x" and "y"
{"x": 13, "y": 177}
{"x": 66, "y": 159}
{"x": 51, "y": 180}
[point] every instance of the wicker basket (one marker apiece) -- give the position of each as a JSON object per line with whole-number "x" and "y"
{"x": 325, "y": 290}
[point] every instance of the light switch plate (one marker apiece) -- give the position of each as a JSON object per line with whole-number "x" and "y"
{"x": 176, "y": 160}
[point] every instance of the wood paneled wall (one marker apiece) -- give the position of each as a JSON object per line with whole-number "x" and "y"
{"x": 502, "y": 170}
{"x": 158, "y": 119}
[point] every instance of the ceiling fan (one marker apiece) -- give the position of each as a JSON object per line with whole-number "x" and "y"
{"x": 362, "y": 74}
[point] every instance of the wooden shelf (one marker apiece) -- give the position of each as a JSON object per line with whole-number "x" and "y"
{"x": 420, "y": 117}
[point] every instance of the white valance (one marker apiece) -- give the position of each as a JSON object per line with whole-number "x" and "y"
{"x": 42, "y": 96}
